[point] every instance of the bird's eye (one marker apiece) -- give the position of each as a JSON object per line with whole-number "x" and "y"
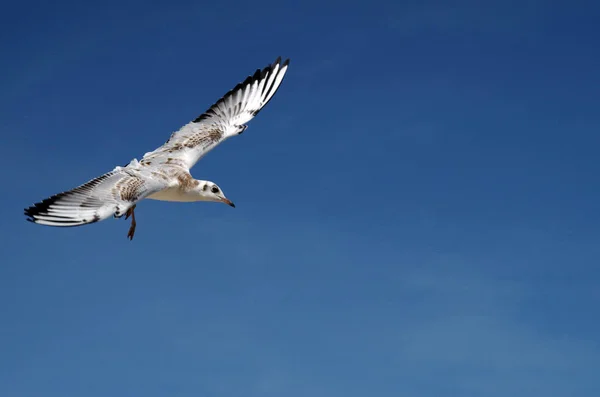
{"x": 214, "y": 189}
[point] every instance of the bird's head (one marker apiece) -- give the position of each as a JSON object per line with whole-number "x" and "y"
{"x": 209, "y": 191}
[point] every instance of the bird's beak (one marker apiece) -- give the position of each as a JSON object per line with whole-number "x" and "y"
{"x": 228, "y": 202}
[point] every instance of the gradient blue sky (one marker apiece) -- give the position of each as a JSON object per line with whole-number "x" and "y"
{"x": 417, "y": 208}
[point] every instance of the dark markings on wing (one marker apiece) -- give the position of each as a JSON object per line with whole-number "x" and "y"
{"x": 205, "y": 138}
{"x": 257, "y": 76}
{"x": 129, "y": 188}
{"x": 42, "y": 207}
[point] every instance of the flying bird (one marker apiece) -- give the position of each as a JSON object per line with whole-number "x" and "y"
{"x": 164, "y": 174}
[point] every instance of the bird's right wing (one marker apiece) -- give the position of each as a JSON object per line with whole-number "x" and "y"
{"x": 109, "y": 194}
{"x": 225, "y": 118}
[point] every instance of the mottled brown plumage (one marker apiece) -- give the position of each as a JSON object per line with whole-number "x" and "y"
{"x": 129, "y": 188}
{"x": 186, "y": 181}
{"x": 203, "y": 139}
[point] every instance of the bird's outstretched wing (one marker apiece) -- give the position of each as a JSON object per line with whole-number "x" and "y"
{"x": 224, "y": 119}
{"x": 109, "y": 194}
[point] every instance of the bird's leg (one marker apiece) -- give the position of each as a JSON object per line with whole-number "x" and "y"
{"x": 131, "y": 212}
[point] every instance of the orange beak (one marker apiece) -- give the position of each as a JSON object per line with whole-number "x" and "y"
{"x": 228, "y": 202}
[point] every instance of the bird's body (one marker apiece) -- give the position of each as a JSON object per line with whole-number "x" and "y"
{"x": 163, "y": 174}
{"x": 173, "y": 194}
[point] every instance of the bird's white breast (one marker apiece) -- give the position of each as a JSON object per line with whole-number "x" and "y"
{"x": 172, "y": 194}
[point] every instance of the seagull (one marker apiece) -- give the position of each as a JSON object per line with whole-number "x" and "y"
{"x": 164, "y": 174}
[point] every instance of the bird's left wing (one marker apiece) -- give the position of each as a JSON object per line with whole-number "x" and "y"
{"x": 109, "y": 194}
{"x": 224, "y": 119}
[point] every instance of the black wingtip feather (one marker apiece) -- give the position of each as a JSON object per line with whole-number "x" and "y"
{"x": 42, "y": 207}
{"x": 259, "y": 74}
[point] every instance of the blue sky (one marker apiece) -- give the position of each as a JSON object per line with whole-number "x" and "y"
{"x": 417, "y": 207}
